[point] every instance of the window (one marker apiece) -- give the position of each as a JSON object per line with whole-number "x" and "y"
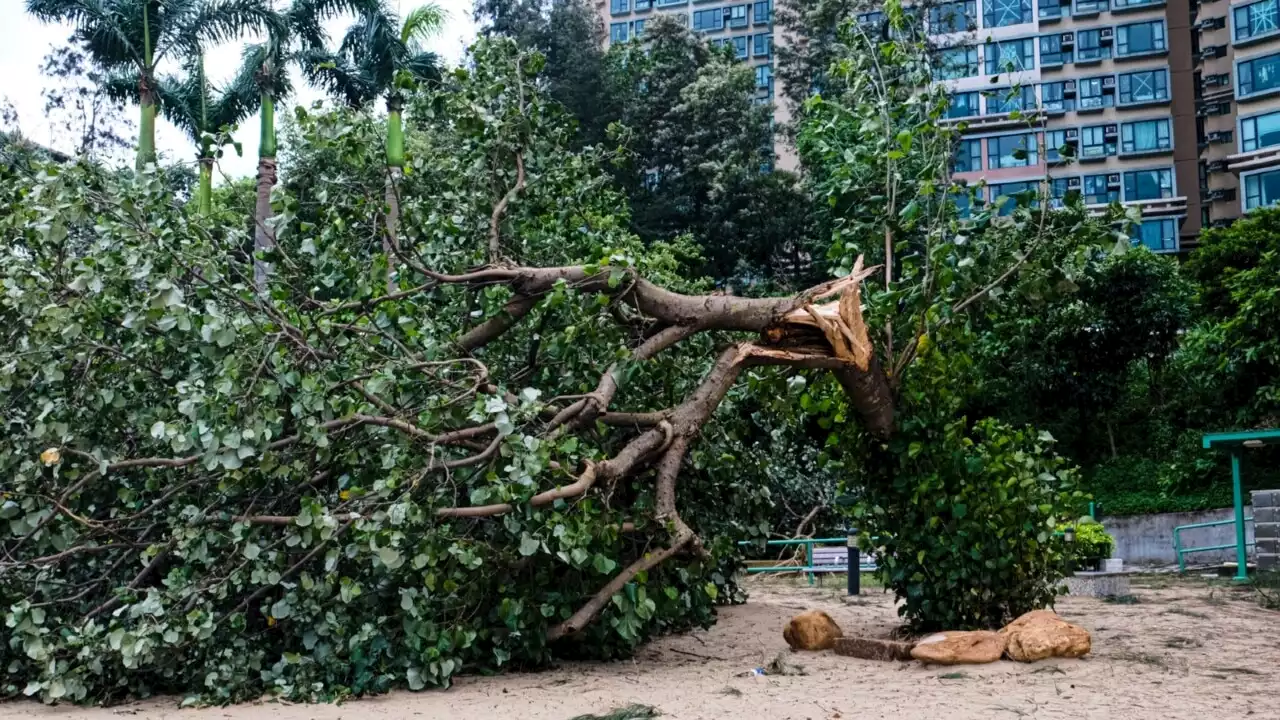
{"x": 1148, "y": 184}
{"x": 762, "y": 46}
{"x": 1094, "y": 93}
{"x": 951, "y": 17}
{"x": 968, "y": 157}
{"x": 963, "y": 105}
{"x": 1010, "y": 191}
{"x": 643, "y": 5}
{"x": 1089, "y": 7}
{"x": 1053, "y": 98}
{"x": 740, "y": 47}
{"x": 738, "y": 16}
{"x": 1258, "y": 75}
{"x": 762, "y": 12}
{"x": 1056, "y": 148}
{"x": 1128, "y": 4}
{"x": 619, "y": 6}
{"x": 1001, "y": 13}
{"x": 957, "y": 62}
{"x": 1261, "y": 190}
{"x": 871, "y": 19}
{"x": 1147, "y": 86}
{"x": 1254, "y": 19}
{"x": 764, "y": 76}
{"x": 637, "y": 29}
{"x": 618, "y": 33}
{"x": 1089, "y": 46}
{"x": 1145, "y": 136}
{"x": 1010, "y": 56}
{"x": 1260, "y": 131}
{"x": 963, "y": 202}
{"x": 1094, "y": 142}
{"x": 1008, "y": 100}
{"x": 1059, "y": 188}
{"x": 1012, "y": 151}
{"x": 1140, "y": 38}
{"x": 1161, "y": 235}
{"x": 1098, "y": 191}
{"x": 1051, "y": 51}
{"x": 669, "y": 3}
{"x": 707, "y": 20}
{"x": 1052, "y": 9}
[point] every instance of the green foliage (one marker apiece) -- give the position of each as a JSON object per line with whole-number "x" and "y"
{"x": 281, "y": 547}
{"x": 964, "y": 520}
{"x": 698, "y": 145}
{"x": 1092, "y": 543}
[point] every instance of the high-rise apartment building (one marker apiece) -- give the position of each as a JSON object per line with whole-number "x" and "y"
{"x": 1172, "y": 106}
{"x": 747, "y": 27}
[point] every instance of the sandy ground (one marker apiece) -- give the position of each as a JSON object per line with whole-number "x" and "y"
{"x": 1184, "y": 649}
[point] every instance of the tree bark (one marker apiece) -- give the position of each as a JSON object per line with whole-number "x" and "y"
{"x": 389, "y": 241}
{"x": 264, "y": 238}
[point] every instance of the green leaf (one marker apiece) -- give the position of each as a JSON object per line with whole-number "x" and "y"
{"x": 528, "y": 544}
{"x": 603, "y": 565}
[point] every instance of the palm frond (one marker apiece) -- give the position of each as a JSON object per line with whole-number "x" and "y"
{"x": 102, "y": 25}
{"x": 422, "y": 24}
{"x": 373, "y": 44}
{"x": 212, "y": 22}
{"x": 260, "y": 71}
{"x": 307, "y": 17}
{"x": 425, "y": 67}
{"x": 122, "y": 85}
{"x": 338, "y": 77}
{"x": 178, "y": 98}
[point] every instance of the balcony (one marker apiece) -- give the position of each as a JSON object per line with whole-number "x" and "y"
{"x": 1119, "y": 6}
{"x": 1254, "y": 160}
{"x": 1032, "y": 117}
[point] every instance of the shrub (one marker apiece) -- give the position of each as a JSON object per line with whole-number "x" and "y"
{"x": 1092, "y": 544}
{"x": 965, "y": 525}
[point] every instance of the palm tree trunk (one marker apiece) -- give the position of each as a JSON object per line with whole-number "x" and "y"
{"x": 146, "y": 125}
{"x": 204, "y": 195}
{"x": 264, "y": 238}
{"x": 146, "y": 97}
{"x": 395, "y": 166}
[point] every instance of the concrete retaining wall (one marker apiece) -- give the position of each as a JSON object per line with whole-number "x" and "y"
{"x": 1148, "y": 539}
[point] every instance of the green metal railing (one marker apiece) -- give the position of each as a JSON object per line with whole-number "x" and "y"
{"x": 865, "y": 564}
{"x": 1182, "y": 552}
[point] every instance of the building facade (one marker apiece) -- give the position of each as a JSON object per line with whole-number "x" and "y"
{"x": 747, "y": 27}
{"x": 1167, "y": 105}
{"x": 1172, "y": 106}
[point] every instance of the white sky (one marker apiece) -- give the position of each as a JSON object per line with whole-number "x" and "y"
{"x": 24, "y": 42}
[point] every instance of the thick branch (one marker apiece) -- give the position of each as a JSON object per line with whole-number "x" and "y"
{"x": 499, "y": 208}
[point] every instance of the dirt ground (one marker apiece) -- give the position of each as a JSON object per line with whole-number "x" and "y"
{"x": 1182, "y": 649}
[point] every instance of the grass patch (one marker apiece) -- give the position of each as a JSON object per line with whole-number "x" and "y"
{"x": 780, "y": 665}
{"x": 954, "y": 676}
{"x": 1121, "y": 600}
{"x": 630, "y": 712}
{"x": 1049, "y": 669}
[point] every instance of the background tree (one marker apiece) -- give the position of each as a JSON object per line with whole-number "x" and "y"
{"x": 128, "y": 39}
{"x": 79, "y": 108}
{"x": 206, "y": 114}
{"x": 262, "y": 81}
{"x": 379, "y": 56}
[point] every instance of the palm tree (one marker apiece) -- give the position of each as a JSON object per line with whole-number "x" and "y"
{"x": 261, "y": 82}
{"x": 129, "y": 39}
{"x": 192, "y": 104}
{"x": 379, "y": 56}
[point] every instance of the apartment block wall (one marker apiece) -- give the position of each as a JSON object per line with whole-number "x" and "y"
{"x": 747, "y": 26}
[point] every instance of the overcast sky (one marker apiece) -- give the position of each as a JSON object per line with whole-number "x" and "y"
{"x": 24, "y": 41}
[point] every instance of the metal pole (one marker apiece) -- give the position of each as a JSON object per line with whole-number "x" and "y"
{"x": 1093, "y": 510}
{"x": 1177, "y": 550}
{"x": 808, "y": 559}
{"x": 855, "y": 562}
{"x": 1242, "y": 570}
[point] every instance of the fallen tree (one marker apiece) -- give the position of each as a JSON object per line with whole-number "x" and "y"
{"x": 318, "y": 485}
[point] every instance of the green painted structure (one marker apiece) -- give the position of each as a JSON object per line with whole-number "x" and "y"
{"x": 1234, "y": 443}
